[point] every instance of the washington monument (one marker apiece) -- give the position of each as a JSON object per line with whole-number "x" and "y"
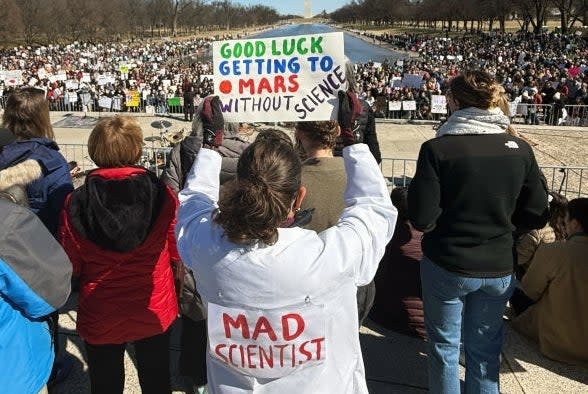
{"x": 308, "y": 8}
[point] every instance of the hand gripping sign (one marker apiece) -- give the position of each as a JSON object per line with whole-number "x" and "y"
{"x": 267, "y": 344}
{"x": 280, "y": 79}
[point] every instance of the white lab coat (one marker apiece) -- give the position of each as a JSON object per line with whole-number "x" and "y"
{"x": 301, "y": 268}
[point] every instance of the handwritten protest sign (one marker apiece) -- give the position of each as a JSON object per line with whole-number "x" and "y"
{"x": 438, "y": 104}
{"x": 133, "y": 98}
{"x": 280, "y": 79}
{"x": 409, "y": 105}
{"x": 267, "y": 344}
{"x": 105, "y": 102}
{"x": 12, "y": 77}
{"x": 394, "y": 105}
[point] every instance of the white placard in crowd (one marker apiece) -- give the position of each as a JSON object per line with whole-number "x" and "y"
{"x": 412, "y": 81}
{"x": 105, "y": 102}
{"x": 377, "y": 65}
{"x": 409, "y": 105}
{"x": 394, "y": 105}
{"x": 281, "y": 78}
{"x": 33, "y": 81}
{"x": 71, "y": 84}
{"x": 86, "y": 78}
{"x": 42, "y": 73}
{"x": 438, "y": 104}
{"x": 11, "y": 77}
{"x": 116, "y": 103}
{"x": 400, "y": 63}
{"x": 61, "y": 76}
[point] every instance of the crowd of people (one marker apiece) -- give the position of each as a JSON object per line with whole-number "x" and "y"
{"x": 78, "y": 75}
{"x": 544, "y": 75}
{"x": 543, "y": 72}
{"x": 273, "y": 252}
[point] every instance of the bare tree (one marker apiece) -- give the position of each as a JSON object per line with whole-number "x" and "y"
{"x": 569, "y": 12}
{"x": 12, "y": 24}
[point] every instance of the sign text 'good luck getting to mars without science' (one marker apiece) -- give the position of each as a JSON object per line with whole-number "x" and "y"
{"x": 280, "y": 79}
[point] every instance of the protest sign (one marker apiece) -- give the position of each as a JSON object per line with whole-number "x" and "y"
{"x": 412, "y": 80}
{"x": 409, "y": 105}
{"x": 33, "y": 81}
{"x": 105, "y": 102}
{"x": 394, "y": 105}
{"x": 438, "y": 104}
{"x": 117, "y": 103}
{"x": 42, "y": 73}
{"x": 11, "y": 77}
{"x": 133, "y": 98}
{"x": 280, "y": 79}
{"x": 86, "y": 78}
{"x": 174, "y": 102}
{"x": 267, "y": 344}
{"x": 71, "y": 84}
{"x": 61, "y": 76}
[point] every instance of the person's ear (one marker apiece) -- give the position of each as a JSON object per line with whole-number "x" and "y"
{"x": 338, "y": 130}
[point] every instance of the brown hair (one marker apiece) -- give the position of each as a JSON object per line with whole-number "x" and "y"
{"x": 116, "y": 142}
{"x": 273, "y": 134}
{"x": 257, "y": 202}
{"x": 477, "y": 88}
{"x": 27, "y": 114}
{"x": 321, "y": 135}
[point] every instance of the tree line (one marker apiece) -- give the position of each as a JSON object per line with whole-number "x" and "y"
{"x": 473, "y": 14}
{"x": 54, "y": 21}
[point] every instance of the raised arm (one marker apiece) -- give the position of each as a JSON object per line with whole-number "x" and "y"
{"x": 359, "y": 239}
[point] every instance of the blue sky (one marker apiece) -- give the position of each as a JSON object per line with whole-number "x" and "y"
{"x": 297, "y": 6}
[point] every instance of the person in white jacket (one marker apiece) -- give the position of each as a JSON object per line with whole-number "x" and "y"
{"x": 281, "y": 301}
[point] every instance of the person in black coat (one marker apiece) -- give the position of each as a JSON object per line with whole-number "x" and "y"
{"x": 189, "y": 103}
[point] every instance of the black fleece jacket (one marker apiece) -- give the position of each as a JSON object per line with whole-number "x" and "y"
{"x": 468, "y": 195}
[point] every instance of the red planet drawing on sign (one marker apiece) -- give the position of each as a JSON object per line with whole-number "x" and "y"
{"x": 225, "y": 87}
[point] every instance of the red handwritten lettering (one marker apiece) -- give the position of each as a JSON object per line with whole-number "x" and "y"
{"x": 318, "y": 341}
{"x": 263, "y": 326}
{"x": 247, "y": 84}
{"x": 241, "y": 322}
{"x": 294, "y": 85}
{"x": 281, "y": 347}
{"x": 305, "y": 352}
{"x": 288, "y": 336}
{"x": 263, "y": 355}
{"x": 231, "y": 354}
{"x": 249, "y": 355}
{"x": 217, "y": 350}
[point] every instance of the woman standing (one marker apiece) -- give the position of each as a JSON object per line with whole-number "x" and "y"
{"x": 281, "y": 302}
{"x": 118, "y": 230}
{"x": 27, "y": 116}
{"x": 474, "y": 185}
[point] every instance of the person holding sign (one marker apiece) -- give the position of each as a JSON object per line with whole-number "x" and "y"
{"x": 282, "y": 313}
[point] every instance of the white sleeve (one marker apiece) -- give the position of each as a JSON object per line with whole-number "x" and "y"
{"x": 198, "y": 199}
{"x": 358, "y": 241}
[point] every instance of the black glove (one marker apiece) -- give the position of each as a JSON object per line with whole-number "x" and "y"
{"x": 212, "y": 121}
{"x": 349, "y": 110}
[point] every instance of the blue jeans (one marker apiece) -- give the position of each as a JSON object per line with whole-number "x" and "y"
{"x": 447, "y": 300}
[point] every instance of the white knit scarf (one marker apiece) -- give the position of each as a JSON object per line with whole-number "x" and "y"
{"x": 474, "y": 120}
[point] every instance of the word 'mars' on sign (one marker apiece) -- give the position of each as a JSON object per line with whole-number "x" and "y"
{"x": 280, "y": 79}
{"x": 268, "y": 344}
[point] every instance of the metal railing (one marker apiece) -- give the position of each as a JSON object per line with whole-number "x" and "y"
{"x": 571, "y": 181}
